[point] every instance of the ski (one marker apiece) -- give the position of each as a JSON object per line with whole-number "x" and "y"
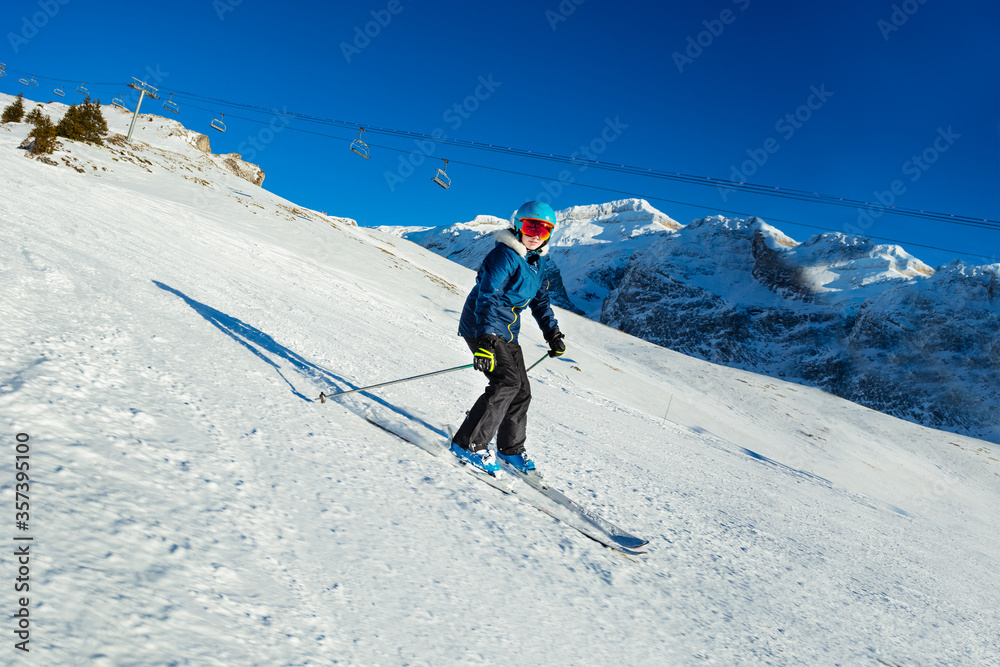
{"x": 506, "y": 484}
{"x": 536, "y": 481}
{"x": 549, "y": 501}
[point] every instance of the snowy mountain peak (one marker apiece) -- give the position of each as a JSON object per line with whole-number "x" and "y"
{"x": 826, "y": 263}
{"x": 839, "y": 262}
{"x": 840, "y": 246}
{"x": 746, "y": 228}
{"x": 620, "y": 211}
{"x": 961, "y": 268}
{"x": 486, "y": 221}
{"x": 611, "y": 222}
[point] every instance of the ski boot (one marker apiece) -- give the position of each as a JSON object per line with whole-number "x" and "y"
{"x": 522, "y": 462}
{"x": 483, "y": 459}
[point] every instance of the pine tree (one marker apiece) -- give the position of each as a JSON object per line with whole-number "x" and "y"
{"x": 45, "y": 134}
{"x": 33, "y": 116}
{"x": 69, "y": 126}
{"x": 95, "y": 127}
{"x": 84, "y": 123}
{"x": 15, "y": 111}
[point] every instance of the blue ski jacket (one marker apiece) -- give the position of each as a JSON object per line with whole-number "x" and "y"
{"x": 509, "y": 280}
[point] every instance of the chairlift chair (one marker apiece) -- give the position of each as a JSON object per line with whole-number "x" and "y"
{"x": 59, "y": 92}
{"x": 29, "y": 82}
{"x": 171, "y": 106}
{"x": 118, "y": 103}
{"x": 83, "y": 91}
{"x": 360, "y": 147}
{"x": 441, "y": 178}
{"x": 3, "y": 70}
{"x": 217, "y": 123}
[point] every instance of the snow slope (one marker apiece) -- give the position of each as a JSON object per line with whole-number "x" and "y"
{"x": 163, "y": 340}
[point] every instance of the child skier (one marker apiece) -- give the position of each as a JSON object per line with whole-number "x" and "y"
{"x": 509, "y": 280}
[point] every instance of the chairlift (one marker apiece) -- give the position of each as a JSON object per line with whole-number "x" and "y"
{"x": 28, "y": 82}
{"x": 82, "y": 90}
{"x": 59, "y": 92}
{"x": 118, "y": 103}
{"x": 171, "y": 106}
{"x": 441, "y": 178}
{"x": 360, "y": 147}
{"x": 217, "y": 123}
{"x": 144, "y": 87}
{"x": 3, "y": 70}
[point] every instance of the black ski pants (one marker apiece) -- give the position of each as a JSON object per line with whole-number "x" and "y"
{"x": 503, "y": 407}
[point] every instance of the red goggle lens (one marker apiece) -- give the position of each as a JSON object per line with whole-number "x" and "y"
{"x": 536, "y": 228}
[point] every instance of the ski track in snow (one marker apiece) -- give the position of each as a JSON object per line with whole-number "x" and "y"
{"x": 163, "y": 345}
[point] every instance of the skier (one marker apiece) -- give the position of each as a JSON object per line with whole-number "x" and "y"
{"x": 509, "y": 280}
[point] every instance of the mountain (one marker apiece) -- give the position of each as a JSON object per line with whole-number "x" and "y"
{"x": 868, "y": 322}
{"x": 166, "y": 329}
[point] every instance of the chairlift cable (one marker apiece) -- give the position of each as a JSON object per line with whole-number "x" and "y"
{"x": 49, "y": 78}
{"x": 624, "y": 192}
{"x": 964, "y": 221}
{"x": 748, "y": 188}
{"x": 751, "y": 188}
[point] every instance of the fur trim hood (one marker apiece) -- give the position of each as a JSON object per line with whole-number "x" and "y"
{"x": 509, "y": 239}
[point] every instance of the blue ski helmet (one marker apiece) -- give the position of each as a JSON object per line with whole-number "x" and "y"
{"x": 533, "y": 210}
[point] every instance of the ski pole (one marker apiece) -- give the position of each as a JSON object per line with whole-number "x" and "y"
{"x": 324, "y": 396}
{"x": 538, "y": 362}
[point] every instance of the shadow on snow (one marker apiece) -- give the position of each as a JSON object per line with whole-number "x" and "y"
{"x": 258, "y": 342}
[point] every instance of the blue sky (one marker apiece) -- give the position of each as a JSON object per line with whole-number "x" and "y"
{"x": 893, "y": 102}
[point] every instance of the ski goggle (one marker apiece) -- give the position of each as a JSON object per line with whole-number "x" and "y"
{"x": 530, "y": 227}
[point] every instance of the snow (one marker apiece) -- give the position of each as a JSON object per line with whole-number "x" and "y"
{"x": 843, "y": 266}
{"x": 166, "y": 328}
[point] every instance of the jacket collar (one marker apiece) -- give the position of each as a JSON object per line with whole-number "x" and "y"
{"x": 507, "y": 237}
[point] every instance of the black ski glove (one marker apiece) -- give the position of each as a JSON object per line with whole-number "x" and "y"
{"x": 555, "y": 340}
{"x": 484, "y": 358}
